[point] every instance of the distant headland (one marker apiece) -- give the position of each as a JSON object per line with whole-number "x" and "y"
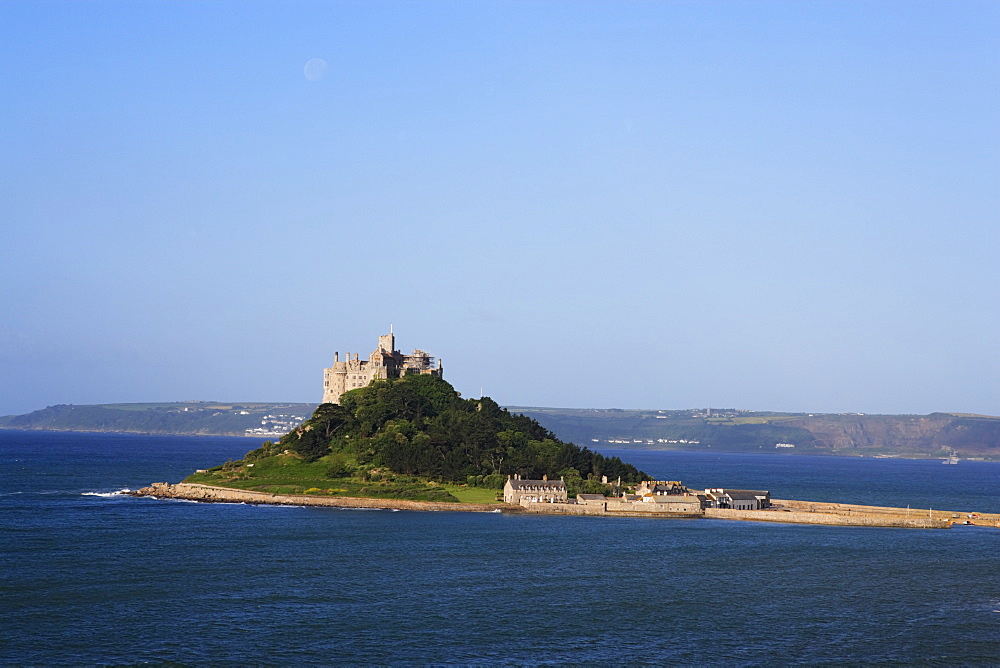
{"x": 937, "y": 435}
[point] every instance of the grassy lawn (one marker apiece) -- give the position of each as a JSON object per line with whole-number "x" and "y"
{"x": 290, "y": 475}
{"x": 763, "y": 420}
{"x": 472, "y": 494}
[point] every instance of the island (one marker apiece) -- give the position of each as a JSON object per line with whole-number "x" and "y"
{"x": 412, "y": 442}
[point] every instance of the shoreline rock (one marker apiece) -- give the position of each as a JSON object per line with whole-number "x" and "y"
{"x": 209, "y": 494}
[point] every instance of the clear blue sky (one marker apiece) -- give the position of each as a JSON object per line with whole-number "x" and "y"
{"x": 764, "y": 205}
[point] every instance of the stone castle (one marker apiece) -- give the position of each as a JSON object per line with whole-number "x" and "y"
{"x": 385, "y": 362}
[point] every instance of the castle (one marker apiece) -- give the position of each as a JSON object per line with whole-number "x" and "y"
{"x": 385, "y": 362}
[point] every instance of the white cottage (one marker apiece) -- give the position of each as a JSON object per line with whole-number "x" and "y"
{"x": 537, "y": 491}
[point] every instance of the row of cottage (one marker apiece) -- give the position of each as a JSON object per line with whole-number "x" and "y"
{"x": 668, "y": 496}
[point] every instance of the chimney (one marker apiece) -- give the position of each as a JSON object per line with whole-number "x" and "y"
{"x": 336, "y": 357}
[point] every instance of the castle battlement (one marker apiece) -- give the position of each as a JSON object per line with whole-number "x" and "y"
{"x": 385, "y": 362}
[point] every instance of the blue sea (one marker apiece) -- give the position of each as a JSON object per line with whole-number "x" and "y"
{"x": 94, "y": 578}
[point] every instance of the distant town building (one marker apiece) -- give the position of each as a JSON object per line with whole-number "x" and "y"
{"x": 386, "y": 362}
{"x": 675, "y": 503}
{"x": 537, "y": 491}
{"x": 660, "y": 488}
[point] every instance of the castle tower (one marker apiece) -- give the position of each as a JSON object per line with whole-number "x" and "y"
{"x": 384, "y": 362}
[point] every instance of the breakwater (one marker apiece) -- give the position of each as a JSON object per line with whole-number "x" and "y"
{"x": 782, "y": 514}
{"x": 805, "y": 517}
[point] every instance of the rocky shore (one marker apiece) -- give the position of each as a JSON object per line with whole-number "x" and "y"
{"x": 210, "y": 494}
{"x": 784, "y": 511}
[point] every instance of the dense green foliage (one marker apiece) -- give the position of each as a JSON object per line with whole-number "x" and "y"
{"x": 419, "y": 426}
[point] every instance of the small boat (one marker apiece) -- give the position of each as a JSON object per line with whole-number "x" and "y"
{"x": 950, "y": 460}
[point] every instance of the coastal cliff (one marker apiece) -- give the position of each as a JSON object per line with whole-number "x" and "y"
{"x": 733, "y": 430}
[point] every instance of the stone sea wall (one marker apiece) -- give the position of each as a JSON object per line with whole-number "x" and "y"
{"x": 605, "y": 509}
{"x": 939, "y": 516}
{"x": 806, "y": 517}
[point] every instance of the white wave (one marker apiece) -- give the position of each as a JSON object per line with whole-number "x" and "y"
{"x": 107, "y": 494}
{"x": 168, "y": 498}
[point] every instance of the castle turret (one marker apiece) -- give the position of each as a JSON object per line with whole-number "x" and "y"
{"x": 384, "y": 362}
{"x": 387, "y": 342}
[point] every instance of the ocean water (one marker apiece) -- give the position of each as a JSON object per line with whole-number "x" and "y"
{"x": 94, "y": 578}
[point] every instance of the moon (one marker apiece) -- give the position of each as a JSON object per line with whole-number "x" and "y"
{"x": 315, "y": 69}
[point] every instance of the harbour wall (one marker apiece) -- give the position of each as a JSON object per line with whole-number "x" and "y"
{"x": 807, "y": 517}
{"x": 780, "y": 516}
{"x": 606, "y": 509}
{"x": 961, "y": 516}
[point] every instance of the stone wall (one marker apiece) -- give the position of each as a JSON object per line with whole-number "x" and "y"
{"x": 608, "y": 509}
{"x": 807, "y": 517}
{"x": 981, "y": 519}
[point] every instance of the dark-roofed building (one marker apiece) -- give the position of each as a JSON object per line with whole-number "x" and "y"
{"x": 516, "y": 490}
{"x": 738, "y": 499}
{"x": 660, "y": 488}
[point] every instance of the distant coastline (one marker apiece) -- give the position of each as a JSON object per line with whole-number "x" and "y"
{"x": 934, "y": 436}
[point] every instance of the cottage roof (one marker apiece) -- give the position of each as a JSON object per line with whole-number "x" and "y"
{"x": 592, "y": 497}
{"x": 548, "y": 484}
{"x": 744, "y": 494}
